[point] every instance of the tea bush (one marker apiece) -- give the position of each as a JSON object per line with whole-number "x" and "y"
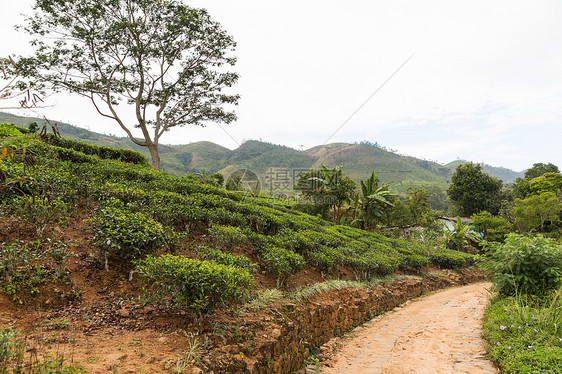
{"x": 451, "y": 259}
{"x": 530, "y": 265}
{"x": 282, "y": 236}
{"x": 225, "y": 258}
{"x": 200, "y": 286}
{"x": 228, "y": 236}
{"x": 282, "y": 263}
{"x": 121, "y": 154}
{"x": 129, "y": 235}
{"x": 39, "y": 211}
{"x": 20, "y": 271}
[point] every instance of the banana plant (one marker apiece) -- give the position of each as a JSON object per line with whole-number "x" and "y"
{"x": 459, "y": 236}
{"x": 374, "y": 199}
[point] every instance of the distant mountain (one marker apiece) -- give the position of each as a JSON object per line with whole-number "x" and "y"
{"x": 263, "y": 158}
{"x": 504, "y": 174}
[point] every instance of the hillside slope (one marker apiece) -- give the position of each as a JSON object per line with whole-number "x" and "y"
{"x": 107, "y": 259}
{"x": 504, "y": 174}
{"x": 359, "y": 159}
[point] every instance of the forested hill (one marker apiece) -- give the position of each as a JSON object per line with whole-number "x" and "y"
{"x": 506, "y": 175}
{"x": 359, "y": 159}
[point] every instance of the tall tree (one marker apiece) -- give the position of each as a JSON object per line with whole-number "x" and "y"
{"x": 522, "y": 186}
{"x": 535, "y": 211}
{"x": 539, "y": 169}
{"x": 548, "y": 182}
{"x": 472, "y": 191}
{"x": 168, "y": 61}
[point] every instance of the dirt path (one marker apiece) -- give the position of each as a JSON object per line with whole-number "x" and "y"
{"x": 439, "y": 333}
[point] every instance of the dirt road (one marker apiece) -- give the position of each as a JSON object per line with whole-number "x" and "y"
{"x": 439, "y": 333}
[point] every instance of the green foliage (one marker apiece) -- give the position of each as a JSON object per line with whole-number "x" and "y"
{"x": 9, "y": 131}
{"x": 39, "y": 211}
{"x": 13, "y": 138}
{"x": 524, "y": 336}
{"x": 120, "y": 154}
{"x": 201, "y": 286}
{"x": 24, "y": 269}
{"x": 532, "y": 213}
{"x": 472, "y": 191}
{"x": 11, "y": 351}
{"x": 437, "y": 198}
{"x": 539, "y": 169}
{"x": 228, "y": 236}
{"x": 411, "y": 260}
{"x": 282, "y": 263}
{"x": 328, "y": 187}
{"x": 528, "y": 265}
{"x": 233, "y": 219}
{"x": 369, "y": 263}
{"x": 451, "y": 259}
{"x": 225, "y": 258}
{"x": 373, "y": 200}
{"x": 494, "y": 228}
{"x": 129, "y": 235}
{"x": 548, "y": 182}
{"x": 459, "y": 236}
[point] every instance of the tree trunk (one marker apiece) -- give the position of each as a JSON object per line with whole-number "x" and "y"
{"x": 154, "y": 155}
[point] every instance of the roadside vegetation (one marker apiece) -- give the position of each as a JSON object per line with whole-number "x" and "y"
{"x": 522, "y": 324}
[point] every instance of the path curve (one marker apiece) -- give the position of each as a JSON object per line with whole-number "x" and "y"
{"x": 439, "y": 333}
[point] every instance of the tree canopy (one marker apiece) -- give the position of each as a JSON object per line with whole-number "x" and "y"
{"x": 164, "y": 59}
{"x": 472, "y": 191}
{"x": 327, "y": 187}
{"x": 539, "y": 169}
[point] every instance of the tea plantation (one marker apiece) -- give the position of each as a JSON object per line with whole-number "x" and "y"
{"x": 151, "y": 221}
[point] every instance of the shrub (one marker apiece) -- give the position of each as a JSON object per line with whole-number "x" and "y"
{"x": 225, "y": 258}
{"x": 228, "y": 236}
{"x": 370, "y": 263}
{"x": 121, "y": 154}
{"x": 451, "y": 259}
{"x": 531, "y": 265}
{"x": 411, "y": 260}
{"x": 129, "y": 235}
{"x": 201, "y": 286}
{"x": 282, "y": 262}
{"x": 39, "y": 211}
{"x": 494, "y": 228}
{"x": 11, "y": 351}
{"x": 326, "y": 259}
{"x": 20, "y": 270}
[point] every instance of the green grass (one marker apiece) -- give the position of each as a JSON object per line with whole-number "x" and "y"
{"x": 525, "y": 334}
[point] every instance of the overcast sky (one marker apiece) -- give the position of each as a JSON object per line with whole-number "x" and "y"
{"x": 485, "y": 83}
